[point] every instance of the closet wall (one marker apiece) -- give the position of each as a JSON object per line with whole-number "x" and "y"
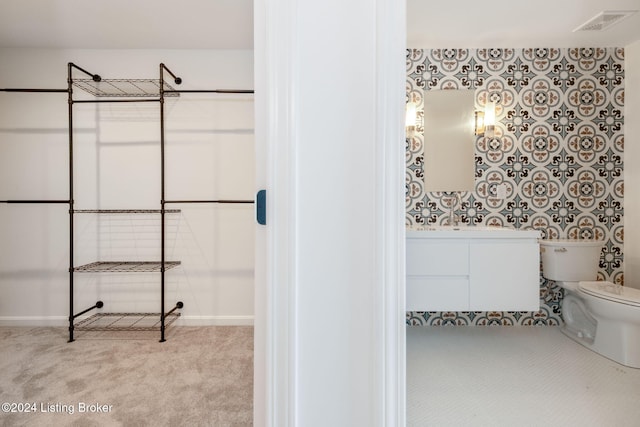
{"x": 210, "y": 155}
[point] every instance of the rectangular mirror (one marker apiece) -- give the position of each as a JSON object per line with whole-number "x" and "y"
{"x": 449, "y": 141}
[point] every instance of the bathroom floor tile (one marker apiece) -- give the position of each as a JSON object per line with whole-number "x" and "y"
{"x": 506, "y": 376}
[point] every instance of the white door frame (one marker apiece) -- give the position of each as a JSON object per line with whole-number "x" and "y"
{"x": 281, "y": 389}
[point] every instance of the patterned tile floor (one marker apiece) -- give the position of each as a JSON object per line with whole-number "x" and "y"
{"x": 507, "y": 376}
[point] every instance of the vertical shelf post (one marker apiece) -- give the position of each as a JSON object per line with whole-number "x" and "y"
{"x": 71, "y": 224}
{"x": 96, "y": 78}
{"x": 177, "y": 80}
{"x": 162, "y": 205}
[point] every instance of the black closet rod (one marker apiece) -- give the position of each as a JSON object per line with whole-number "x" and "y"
{"x": 34, "y": 90}
{"x": 209, "y": 201}
{"x": 98, "y": 101}
{"x": 34, "y": 201}
{"x": 208, "y": 91}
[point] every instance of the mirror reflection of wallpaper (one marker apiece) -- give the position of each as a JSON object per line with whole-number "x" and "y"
{"x": 558, "y": 148}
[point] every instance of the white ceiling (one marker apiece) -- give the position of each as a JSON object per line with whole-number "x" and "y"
{"x": 127, "y": 24}
{"x": 228, "y": 24}
{"x": 516, "y": 23}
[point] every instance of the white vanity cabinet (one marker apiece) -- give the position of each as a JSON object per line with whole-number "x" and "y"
{"x": 473, "y": 269}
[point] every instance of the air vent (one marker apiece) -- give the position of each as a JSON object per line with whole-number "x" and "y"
{"x": 604, "y": 20}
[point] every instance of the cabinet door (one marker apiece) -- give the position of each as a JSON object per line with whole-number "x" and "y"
{"x": 437, "y": 293}
{"x": 504, "y": 276}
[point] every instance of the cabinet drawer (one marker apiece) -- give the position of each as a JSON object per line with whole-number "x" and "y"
{"x": 437, "y": 258}
{"x": 437, "y": 294}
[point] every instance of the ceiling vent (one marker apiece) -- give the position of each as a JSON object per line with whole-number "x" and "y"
{"x": 604, "y": 20}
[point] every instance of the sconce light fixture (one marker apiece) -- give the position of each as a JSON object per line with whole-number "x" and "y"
{"x": 486, "y": 120}
{"x": 479, "y": 123}
{"x": 411, "y": 118}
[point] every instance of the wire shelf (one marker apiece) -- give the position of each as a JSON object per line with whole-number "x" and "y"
{"x": 125, "y": 266}
{"x": 137, "y": 88}
{"x": 126, "y": 211}
{"x": 125, "y": 322}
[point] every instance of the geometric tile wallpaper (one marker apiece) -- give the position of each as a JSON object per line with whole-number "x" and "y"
{"x": 558, "y": 148}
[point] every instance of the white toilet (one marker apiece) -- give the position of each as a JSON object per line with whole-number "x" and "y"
{"x": 602, "y": 316}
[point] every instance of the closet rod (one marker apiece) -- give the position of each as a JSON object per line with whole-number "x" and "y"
{"x": 209, "y": 201}
{"x": 34, "y": 90}
{"x": 34, "y": 201}
{"x": 208, "y": 91}
{"x": 97, "y": 101}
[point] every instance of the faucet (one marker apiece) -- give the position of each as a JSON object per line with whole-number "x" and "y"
{"x": 454, "y": 202}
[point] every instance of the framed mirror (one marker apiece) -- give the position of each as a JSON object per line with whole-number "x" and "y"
{"x": 449, "y": 141}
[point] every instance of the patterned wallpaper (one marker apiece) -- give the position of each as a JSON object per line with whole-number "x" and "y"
{"x": 558, "y": 148}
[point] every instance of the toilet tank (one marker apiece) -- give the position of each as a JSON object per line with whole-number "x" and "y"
{"x": 570, "y": 260}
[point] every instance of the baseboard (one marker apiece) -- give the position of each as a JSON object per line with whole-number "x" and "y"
{"x": 35, "y": 321}
{"x": 215, "y": 321}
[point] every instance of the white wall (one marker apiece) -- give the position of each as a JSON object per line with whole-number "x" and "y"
{"x": 209, "y": 155}
{"x": 632, "y": 166}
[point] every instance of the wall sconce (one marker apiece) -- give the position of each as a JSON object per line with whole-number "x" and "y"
{"x": 479, "y": 123}
{"x": 485, "y": 121}
{"x": 411, "y": 118}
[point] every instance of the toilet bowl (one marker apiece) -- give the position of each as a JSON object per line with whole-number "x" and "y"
{"x": 602, "y": 316}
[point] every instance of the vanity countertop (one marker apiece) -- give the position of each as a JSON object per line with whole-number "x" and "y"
{"x": 470, "y": 231}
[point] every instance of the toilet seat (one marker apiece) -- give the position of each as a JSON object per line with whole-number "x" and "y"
{"x": 611, "y": 292}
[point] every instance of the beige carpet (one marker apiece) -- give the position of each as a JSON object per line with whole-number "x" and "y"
{"x": 201, "y": 376}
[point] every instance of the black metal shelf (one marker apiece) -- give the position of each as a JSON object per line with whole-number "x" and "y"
{"x": 125, "y": 88}
{"x": 126, "y": 267}
{"x": 125, "y": 322}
